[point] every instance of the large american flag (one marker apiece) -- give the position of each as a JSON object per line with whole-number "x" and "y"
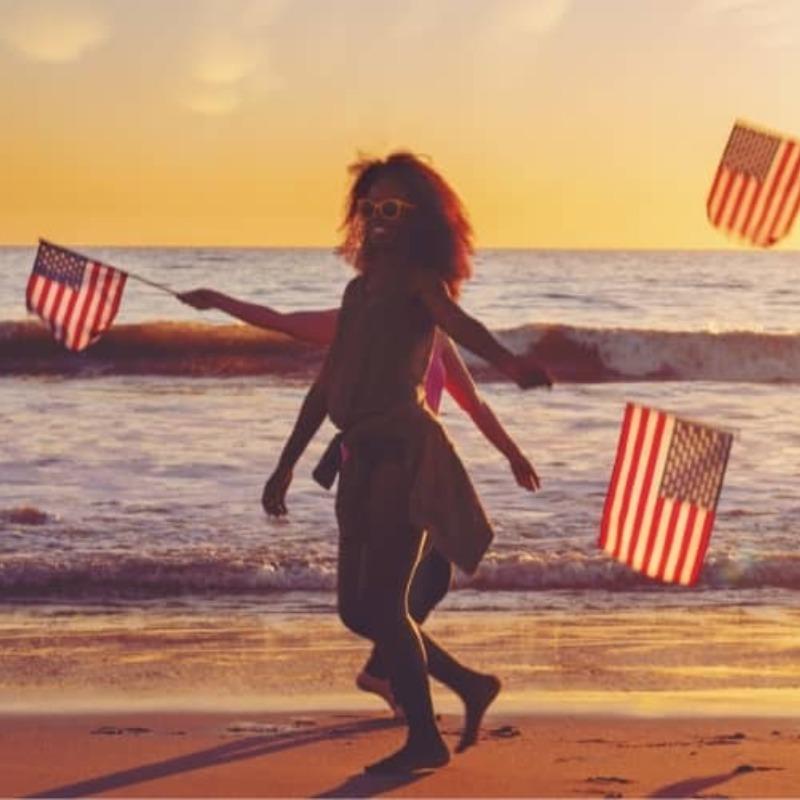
{"x": 756, "y": 190}
{"x": 663, "y": 494}
{"x": 77, "y": 297}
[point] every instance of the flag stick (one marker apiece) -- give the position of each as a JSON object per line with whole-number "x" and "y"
{"x": 129, "y": 274}
{"x": 151, "y": 283}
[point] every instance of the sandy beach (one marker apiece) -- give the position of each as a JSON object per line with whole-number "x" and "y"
{"x": 168, "y": 704}
{"x": 322, "y": 754}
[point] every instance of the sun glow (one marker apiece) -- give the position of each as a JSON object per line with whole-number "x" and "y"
{"x": 562, "y": 123}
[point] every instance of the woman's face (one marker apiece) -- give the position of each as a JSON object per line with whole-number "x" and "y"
{"x": 385, "y": 211}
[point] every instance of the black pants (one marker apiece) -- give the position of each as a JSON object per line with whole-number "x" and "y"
{"x": 429, "y": 585}
{"x": 379, "y": 550}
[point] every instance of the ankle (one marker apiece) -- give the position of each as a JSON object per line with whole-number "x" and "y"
{"x": 425, "y": 739}
{"x": 472, "y": 680}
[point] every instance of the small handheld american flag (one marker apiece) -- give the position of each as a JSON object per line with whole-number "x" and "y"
{"x": 76, "y": 297}
{"x": 756, "y": 190}
{"x": 662, "y": 499}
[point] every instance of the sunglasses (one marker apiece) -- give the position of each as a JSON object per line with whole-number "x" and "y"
{"x": 391, "y": 208}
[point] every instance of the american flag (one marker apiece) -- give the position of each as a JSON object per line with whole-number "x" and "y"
{"x": 77, "y": 297}
{"x": 663, "y": 494}
{"x": 756, "y": 191}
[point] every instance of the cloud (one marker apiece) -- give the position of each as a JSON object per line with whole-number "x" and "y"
{"x": 530, "y": 16}
{"x": 258, "y": 13}
{"x": 226, "y": 59}
{"x": 768, "y": 23}
{"x": 213, "y": 101}
{"x": 417, "y": 18}
{"x": 53, "y": 31}
{"x": 223, "y": 60}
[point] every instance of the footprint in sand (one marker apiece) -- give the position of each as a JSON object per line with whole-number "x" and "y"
{"x": 257, "y": 729}
{"x": 251, "y": 728}
{"x": 725, "y": 738}
{"x": 505, "y": 732}
{"x": 303, "y": 722}
{"x": 112, "y": 730}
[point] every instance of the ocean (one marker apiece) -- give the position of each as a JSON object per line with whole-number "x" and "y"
{"x": 136, "y": 564}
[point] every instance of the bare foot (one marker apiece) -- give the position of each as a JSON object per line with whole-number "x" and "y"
{"x": 413, "y": 757}
{"x": 477, "y": 699}
{"x": 381, "y": 687}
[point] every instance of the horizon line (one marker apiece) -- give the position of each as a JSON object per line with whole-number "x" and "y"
{"x": 541, "y": 248}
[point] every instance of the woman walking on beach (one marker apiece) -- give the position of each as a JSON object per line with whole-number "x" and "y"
{"x": 407, "y": 236}
{"x": 446, "y": 371}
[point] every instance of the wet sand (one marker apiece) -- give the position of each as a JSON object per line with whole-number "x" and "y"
{"x": 170, "y": 754}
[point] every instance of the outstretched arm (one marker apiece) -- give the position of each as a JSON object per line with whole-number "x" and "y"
{"x": 309, "y": 326}
{"x": 473, "y": 335}
{"x": 461, "y": 387}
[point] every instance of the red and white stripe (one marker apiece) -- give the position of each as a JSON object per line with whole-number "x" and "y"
{"x": 761, "y": 211}
{"x": 78, "y": 318}
{"x": 661, "y": 537}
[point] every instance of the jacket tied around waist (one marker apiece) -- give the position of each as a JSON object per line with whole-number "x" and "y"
{"x": 442, "y": 499}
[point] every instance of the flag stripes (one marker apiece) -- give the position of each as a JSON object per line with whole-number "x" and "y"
{"x": 756, "y": 189}
{"x": 662, "y": 497}
{"x": 78, "y": 298}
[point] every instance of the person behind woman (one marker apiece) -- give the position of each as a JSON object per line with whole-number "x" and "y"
{"x": 408, "y": 238}
{"x": 446, "y": 371}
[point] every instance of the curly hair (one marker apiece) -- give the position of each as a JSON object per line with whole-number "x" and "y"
{"x": 440, "y": 235}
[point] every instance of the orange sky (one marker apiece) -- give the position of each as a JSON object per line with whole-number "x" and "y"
{"x": 562, "y": 123}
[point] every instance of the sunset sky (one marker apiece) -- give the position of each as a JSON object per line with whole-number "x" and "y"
{"x": 562, "y": 123}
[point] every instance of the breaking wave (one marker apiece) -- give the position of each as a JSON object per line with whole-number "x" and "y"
{"x": 157, "y": 348}
{"x": 104, "y": 576}
{"x": 573, "y": 354}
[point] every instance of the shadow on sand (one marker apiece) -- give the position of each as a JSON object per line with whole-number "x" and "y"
{"x": 691, "y": 787}
{"x": 251, "y": 747}
{"x": 363, "y": 785}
